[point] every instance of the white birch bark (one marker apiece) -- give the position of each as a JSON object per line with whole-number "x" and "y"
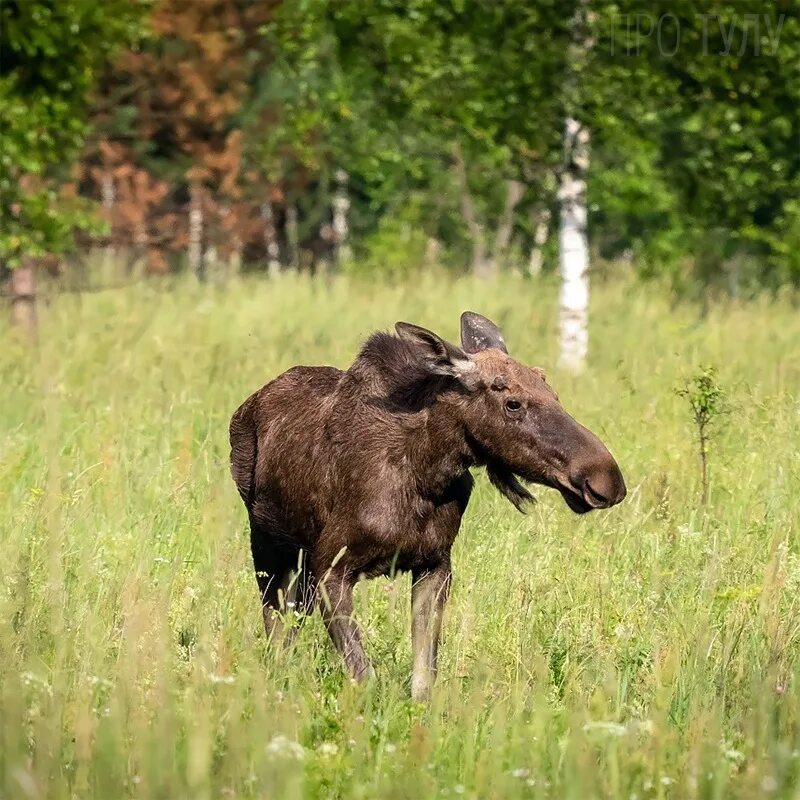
{"x": 433, "y": 248}
{"x": 292, "y": 236}
{"x": 515, "y": 191}
{"x": 195, "y": 251}
{"x": 341, "y": 205}
{"x": 271, "y": 240}
{"x": 480, "y": 263}
{"x": 540, "y": 219}
{"x": 108, "y": 198}
{"x": 233, "y": 262}
{"x": 22, "y": 287}
{"x": 211, "y": 264}
{"x": 574, "y": 249}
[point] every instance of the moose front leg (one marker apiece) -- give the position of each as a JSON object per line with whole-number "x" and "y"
{"x": 429, "y": 592}
{"x": 336, "y": 604}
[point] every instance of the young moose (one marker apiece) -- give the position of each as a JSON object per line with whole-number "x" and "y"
{"x": 366, "y": 472}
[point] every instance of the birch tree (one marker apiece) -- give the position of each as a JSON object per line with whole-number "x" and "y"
{"x": 573, "y": 239}
{"x": 574, "y": 249}
{"x": 195, "y": 246}
{"x": 271, "y": 239}
{"x": 341, "y": 205}
{"x": 540, "y": 228}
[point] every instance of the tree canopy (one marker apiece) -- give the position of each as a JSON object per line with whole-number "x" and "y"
{"x": 447, "y": 117}
{"x": 50, "y": 54}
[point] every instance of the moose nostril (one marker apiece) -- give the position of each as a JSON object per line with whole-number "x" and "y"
{"x": 597, "y": 497}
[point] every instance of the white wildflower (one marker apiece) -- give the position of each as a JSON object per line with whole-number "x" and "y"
{"x": 623, "y": 631}
{"x": 520, "y": 772}
{"x": 282, "y": 747}
{"x": 733, "y": 755}
{"x": 612, "y": 728}
{"x": 769, "y": 784}
{"x": 221, "y": 678}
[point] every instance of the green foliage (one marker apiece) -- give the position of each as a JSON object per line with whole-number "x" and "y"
{"x": 720, "y": 118}
{"x": 695, "y": 167}
{"x": 694, "y": 153}
{"x": 50, "y": 51}
{"x": 706, "y": 399}
{"x": 390, "y": 91}
{"x": 396, "y": 249}
{"x": 646, "y": 651}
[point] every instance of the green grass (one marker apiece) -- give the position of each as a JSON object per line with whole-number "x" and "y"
{"x": 650, "y": 651}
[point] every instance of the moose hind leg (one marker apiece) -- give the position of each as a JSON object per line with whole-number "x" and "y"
{"x": 335, "y": 596}
{"x": 276, "y": 575}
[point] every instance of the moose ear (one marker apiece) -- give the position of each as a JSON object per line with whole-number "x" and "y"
{"x": 479, "y": 333}
{"x": 441, "y": 357}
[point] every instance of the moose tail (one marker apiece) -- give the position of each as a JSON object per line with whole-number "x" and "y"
{"x": 244, "y": 444}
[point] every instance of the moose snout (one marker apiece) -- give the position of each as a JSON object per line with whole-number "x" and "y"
{"x": 600, "y": 483}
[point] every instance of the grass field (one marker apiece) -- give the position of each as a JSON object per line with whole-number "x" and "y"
{"x": 650, "y": 651}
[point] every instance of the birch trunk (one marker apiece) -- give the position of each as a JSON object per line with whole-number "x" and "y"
{"x": 341, "y": 205}
{"x": 271, "y": 240}
{"x": 574, "y": 249}
{"x": 233, "y": 260}
{"x": 540, "y": 219}
{"x": 23, "y": 300}
{"x": 573, "y": 243}
{"x": 515, "y": 190}
{"x": 108, "y": 198}
{"x": 292, "y": 236}
{"x": 195, "y": 252}
{"x": 481, "y": 266}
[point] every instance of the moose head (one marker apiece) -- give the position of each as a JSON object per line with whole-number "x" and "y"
{"x": 513, "y": 419}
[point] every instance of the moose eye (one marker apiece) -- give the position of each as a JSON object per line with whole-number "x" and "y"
{"x": 513, "y": 405}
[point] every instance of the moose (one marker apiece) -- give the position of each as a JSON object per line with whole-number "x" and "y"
{"x": 366, "y": 472}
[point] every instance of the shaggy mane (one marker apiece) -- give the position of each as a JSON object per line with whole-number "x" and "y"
{"x": 396, "y": 373}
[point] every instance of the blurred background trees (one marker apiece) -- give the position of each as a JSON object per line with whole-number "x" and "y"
{"x": 219, "y": 135}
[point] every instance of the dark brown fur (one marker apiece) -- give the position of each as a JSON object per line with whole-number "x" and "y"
{"x": 365, "y": 472}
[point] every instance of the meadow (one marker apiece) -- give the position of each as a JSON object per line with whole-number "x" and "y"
{"x": 651, "y": 651}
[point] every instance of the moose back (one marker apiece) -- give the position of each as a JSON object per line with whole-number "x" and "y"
{"x": 365, "y": 472}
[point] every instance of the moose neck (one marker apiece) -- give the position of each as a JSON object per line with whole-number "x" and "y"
{"x": 440, "y": 453}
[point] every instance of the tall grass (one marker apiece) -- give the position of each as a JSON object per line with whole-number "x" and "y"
{"x": 646, "y": 652}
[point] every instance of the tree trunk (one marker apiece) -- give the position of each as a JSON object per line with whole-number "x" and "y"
{"x": 433, "y": 249}
{"x": 481, "y": 266}
{"x": 292, "y": 237}
{"x": 108, "y": 196}
{"x": 341, "y": 205}
{"x": 195, "y": 252}
{"x": 540, "y": 220}
{"x": 235, "y": 260}
{"x": 515, "y": 191}
{"x": 22, "y": 285}
{"x": 233, "y": 253}
{"x": 271, "y": 240}
{"x": 574, "y": 249}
